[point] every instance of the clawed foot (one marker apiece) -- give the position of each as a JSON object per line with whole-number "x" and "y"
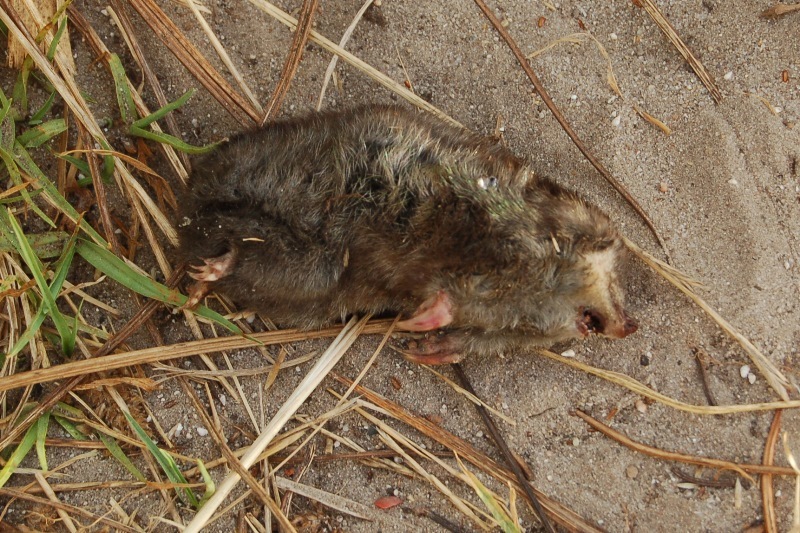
{"x": 436, "y": 351}
{"x": 197, "y": 291}
{"x": 215, "y": 268}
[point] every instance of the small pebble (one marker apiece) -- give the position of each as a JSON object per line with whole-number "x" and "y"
{"x": 613, "y": 36}
{"x": 202, "y": 431}
{"x": 631, "y": 472}
{"x": 733, "y": 181}
{"x": 568, "y": 353}
{"x": 728, "y": 75}
{"x": 663, "y": 187}
{"x": 641, "y": 406}
{"x": 751, "y": 378}
{"x": 744, "y": 371}
{"x": 687, "y": 486}
{"x": 616, "y": 121}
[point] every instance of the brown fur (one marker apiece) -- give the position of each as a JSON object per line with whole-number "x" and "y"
{"x": 376, "y": 209}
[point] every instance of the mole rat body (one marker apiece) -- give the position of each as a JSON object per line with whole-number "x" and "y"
{"x": 381, "y": 210}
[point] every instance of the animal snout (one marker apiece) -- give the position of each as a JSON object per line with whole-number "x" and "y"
{"x": 627, "y": 326}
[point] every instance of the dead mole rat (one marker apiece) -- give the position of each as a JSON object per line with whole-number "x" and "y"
{"x": 380, "y": 209}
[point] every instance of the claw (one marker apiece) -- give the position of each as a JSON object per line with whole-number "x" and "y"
{"x": 215, "y": 268}
{"x": 197, "y": 292}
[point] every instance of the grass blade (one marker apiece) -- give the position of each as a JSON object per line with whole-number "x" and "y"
{"x": 127, "y": 108}
{"x": 118, "y": 270}
{"x": 211, "y": 487}
{"x": 119, "y": 455}
{"x": 164, "y": 460}
{"x": 48, "y": 299}
{"x": 496, "y": 508}
{"x": 37, "y": 117}
{"x": 18, "y": 454}
{"x": 42, "y": 133}
{"x": 41, "y": 434}
{"x": 165, "y": 138}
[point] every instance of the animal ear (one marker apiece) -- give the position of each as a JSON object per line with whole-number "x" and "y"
{"x": 434, "y": 313}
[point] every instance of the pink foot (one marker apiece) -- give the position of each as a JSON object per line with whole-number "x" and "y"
{"x": 434, "y": 313}
{"x": 438, "y": 351}
{"x": 215, "y": 268}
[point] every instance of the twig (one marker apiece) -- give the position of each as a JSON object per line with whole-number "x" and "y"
{"x": 698, "y": 68}
{"x": 767, "y": 491}
{"x": 742, "y": 468}
{"x": 779, "y": 10}
{"x": 699, "y": 355}
{"x": 511, "y": 461}
{"x": 293, "y": 59}
{"x": 717, "y": 484}
{"x": 559, "y": 116}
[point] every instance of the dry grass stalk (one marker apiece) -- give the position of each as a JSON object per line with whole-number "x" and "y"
{"x": 485, "y": 523}
{"x": 560, "y": 514}
{"x": 223, "y": 55}
{"x": 299, "y": 41}
{"x": 69, "y": 91}
{"x": 347, "y": 57}
{"x": 109, "y": 346}
{"x": 767, "y": 491}
{"x": 771, "y": 373}
{"x": 743, "y": 469}
{"x": 334, "y": 501}
{"x": 173, "y": 351}
{"x": 698, "y": 68}
{"x": 342, "y": 43}
{"x": 169, "y": 372}
{"x": 779, "y": 10}
{"x": 195, "y": 62}
{"x": 51, "y": 495}
{"x": 793, "y": 462}
{"x": 233, "y": 461}
{"x": 642, "y": 390}
{"x": 314, "y": 377}
{"x": 36, "y": 14}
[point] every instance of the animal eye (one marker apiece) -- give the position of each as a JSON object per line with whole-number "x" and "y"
{"x": 487, "y": 183}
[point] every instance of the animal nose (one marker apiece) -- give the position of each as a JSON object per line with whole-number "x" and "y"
{"x": 630, "y": 326}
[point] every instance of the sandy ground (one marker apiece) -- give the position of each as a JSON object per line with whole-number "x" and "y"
{"x": 723, "y": 189}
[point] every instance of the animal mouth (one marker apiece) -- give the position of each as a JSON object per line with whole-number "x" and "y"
{"x": 590, "y": 321}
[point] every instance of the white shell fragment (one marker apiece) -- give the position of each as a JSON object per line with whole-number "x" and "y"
{"x": 744, "y": 371}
